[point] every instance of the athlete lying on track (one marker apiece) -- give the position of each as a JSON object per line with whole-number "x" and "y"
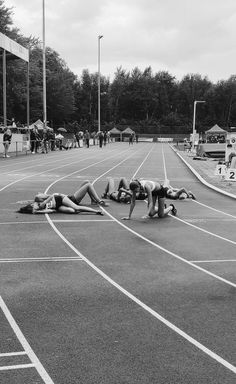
{"x": 58, "y": 202}
{"x": 123, "y": 194}
{"x": 177, "y": 193}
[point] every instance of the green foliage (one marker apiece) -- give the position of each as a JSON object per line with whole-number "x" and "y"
{"x": 149, "y": 102}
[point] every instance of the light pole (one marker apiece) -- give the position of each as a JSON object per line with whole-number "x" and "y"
{"x": 99, "y": 83}
{"x": 194, "y": 120}
{"x": 44, "y": 72}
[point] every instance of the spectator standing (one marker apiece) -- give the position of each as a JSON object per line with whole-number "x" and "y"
{"x": 93, "y": 136}
{"x": 74, "y": 144}
{"x": 51, "y": 135}
{"x": 100, "y": 138}
{"x": 105, "y": 137}
{"x": 33, "y": 140}
{"x": 45, "y": 141}
{"x": 81, "y": 137}
{"x": 7, "y": 141}
{"x": 87, "y": 138}
{"x": 131, "y": 139}
{"x": 77, "y": 139}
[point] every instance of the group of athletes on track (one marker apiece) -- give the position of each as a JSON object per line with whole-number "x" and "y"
{"x": 139, "y": 189}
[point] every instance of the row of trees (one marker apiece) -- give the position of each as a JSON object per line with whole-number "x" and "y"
{"x": 149, "y": 102}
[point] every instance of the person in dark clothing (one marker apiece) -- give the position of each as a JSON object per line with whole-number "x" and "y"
{"x": 34, "y": 140}
{"x": 105, "y": 137}
{"x": 100, "y": 138}
{"x": 45, "y": 141}
{"x": 7, "y": 141}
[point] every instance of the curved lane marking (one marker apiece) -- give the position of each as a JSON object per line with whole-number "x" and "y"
{"x": 170, "y": 325}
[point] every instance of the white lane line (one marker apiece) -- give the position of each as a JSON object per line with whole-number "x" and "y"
{"x": 214, "y": 209}
{"x": 34, "y": 359}
{"x": 19, "y": 366}
{"x": 23, "y": 222}
{"x": 45, "y": 163}
{"x": 190, "y": 339}
{"x": 56, "y": 221}
{"x": 164, "y": 162}
{"x": 172, "y": 253}
{"x": 140, "y": 164}
{"x": 132, "y": 297}
{"x": 109, "y": 170}
{"x": 12, "y": 354}
{"x": 144, "y": 238}
{"x": 144, "y": 306}
{"x": 84, "y": 221}
{"x": 213, "y": 261}
{"x": 62, "y": 166}
{"x": 199, "y": 177}
{"x": 39, "y": 259}
{"x": 195, "y": 226}
{"x": 205, "y": 231}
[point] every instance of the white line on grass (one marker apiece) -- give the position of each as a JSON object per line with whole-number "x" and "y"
{"x": 34, "y": 359}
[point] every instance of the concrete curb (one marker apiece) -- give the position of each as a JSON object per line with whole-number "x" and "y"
{"x": 201, "y": 179}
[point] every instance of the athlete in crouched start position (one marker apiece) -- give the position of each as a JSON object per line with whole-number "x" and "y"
{"x": 156, "y": 192}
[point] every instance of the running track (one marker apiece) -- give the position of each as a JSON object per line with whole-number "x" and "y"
{"x": 89, "y": 299}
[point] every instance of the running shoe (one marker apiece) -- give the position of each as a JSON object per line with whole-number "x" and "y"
{"x": 191, "y": 195}
{"x": 174, "y": 210}
{"x": 100, "y": 213}
{"x": 103, "y": 203}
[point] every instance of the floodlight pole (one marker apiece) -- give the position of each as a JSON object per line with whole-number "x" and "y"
{"x": 194, "y": 120}
{"x": 44, "y": 72}
{"x": 4, "y": 88}
{"x": 99, "y": 84}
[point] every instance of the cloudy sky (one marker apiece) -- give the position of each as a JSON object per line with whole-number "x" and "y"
{"x": 180, "y": 36}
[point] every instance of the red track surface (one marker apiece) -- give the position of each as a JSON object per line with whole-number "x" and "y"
{"x": 89, "y": 299}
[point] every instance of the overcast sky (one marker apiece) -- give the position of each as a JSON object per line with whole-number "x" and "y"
{"x": 179, "y": 36}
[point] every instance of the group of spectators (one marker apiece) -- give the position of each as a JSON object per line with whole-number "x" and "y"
{"x": 43, "y": 141}
{"x": 48, "y": 140}
{"x": 102, "y": 137}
